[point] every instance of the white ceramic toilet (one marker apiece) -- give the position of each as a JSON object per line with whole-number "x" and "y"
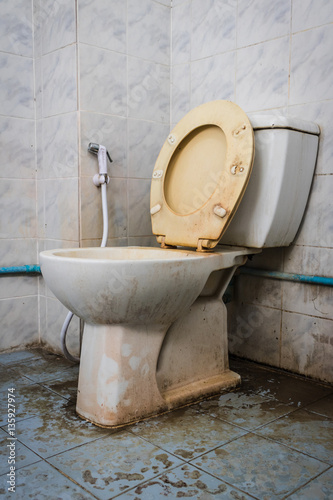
{"x": 155, "y": 334}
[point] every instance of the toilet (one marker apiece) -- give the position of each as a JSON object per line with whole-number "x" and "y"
{"x": 155, "y": 331}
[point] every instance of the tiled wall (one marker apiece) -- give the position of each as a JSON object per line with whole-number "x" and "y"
{"x": 104, "y": 73}
{"x": 18, "y": 244}
{"x": 124, "y": 65}
{"x": 75, "y": 72}
{"x": 271, "y": 57}
{"x": 57, "y": 137}
{"x": 101, "y": 73}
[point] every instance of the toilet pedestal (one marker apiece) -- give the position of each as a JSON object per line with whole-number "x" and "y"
{"x": 117, "y": 383}
{"x": 130, "y": 372}
{"x": 193, "y": 361}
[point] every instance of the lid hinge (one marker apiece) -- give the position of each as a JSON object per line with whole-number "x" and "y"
{"x": 205, "y": 245}
{"x": 161, "y": 240}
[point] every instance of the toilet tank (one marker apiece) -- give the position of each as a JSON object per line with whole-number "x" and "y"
{"x": 272, "y": 207}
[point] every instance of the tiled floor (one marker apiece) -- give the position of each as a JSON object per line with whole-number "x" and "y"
{"x": 270, "y": 439}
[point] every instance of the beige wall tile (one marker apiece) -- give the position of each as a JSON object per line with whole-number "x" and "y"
{"x": 307, "y": 345}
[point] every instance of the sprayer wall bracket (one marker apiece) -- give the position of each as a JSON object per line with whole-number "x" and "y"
{"x": 100, "y": 179}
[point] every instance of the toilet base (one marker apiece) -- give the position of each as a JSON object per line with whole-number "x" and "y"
{"x": 200, "y": 389}
{"x": 117, "y": 383}
{"x": 177, "y": 398}
{"x": 132, "y": 372}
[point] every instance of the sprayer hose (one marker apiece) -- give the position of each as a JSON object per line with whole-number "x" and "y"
{"x": 70, "y": 315}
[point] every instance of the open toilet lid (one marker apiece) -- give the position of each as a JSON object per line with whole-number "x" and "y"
{"x": 201, "y": 174}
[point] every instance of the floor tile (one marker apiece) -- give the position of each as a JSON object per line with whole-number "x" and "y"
{"x": 43, "y": 370}
{"x": 52, "y": 433}
{"x": 304, "y": 431}
{"x": 12, "y": 452}
{"x": 13, "y": 385}
{"x": 110, "y": 466}
{"x": 16, "y": 357}
{"x": 41, "y": 481}
{"x": 246, "y": 410}
{"x": 320, "y": 488}
{"x": 32, "y": 400}
{"x": 284, "y": 387}
{"x": 186, "y": 432}
{"x": 215, "y": 449}
{"x": 66, "y": 387}
{"x": 323, "y": 406}
{"x": 11, "y": 378}
{"x": 260, "y": 467}
{"x": 185, "y": 481}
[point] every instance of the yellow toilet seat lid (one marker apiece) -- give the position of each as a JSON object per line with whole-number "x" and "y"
{"x": 200, "y": 175}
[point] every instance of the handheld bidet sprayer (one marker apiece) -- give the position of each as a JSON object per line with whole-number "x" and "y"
{"x": 100, "y": 180}
{"x": 101, "y": 152}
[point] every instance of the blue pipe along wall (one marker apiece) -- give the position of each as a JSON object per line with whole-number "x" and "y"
{"x": 34, "y": 270}
{"x": 19, "y": 270}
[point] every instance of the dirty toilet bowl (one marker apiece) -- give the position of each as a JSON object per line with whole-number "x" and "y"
{"x": 128, "y": 298}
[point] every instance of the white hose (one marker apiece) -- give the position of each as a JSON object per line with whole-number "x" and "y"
{"x": 70, "y": 315}
{"x": 105, "y": 215}
{"x": 63, "y": 334}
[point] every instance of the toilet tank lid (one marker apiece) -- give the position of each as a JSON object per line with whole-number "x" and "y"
{"x": 271, "y": 121}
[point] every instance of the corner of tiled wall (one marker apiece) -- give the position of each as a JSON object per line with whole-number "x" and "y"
{"x": 125, "y": 105}
{"x": 57, "y": 151}
{"x": 104, "y": 80}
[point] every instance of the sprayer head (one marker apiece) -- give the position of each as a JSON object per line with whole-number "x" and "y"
{"x": 94, "y": 148}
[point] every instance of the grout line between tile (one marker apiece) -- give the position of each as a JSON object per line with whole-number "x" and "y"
{"x": 147, "y": 481}
{"x": 224, "y": 481}
{"x": 305, "y": 484}
{"x": 291, "y": 448}
{"x": 72, "y": 480}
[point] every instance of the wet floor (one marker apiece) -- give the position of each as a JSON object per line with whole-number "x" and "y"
{"x": 272, "y": 438}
